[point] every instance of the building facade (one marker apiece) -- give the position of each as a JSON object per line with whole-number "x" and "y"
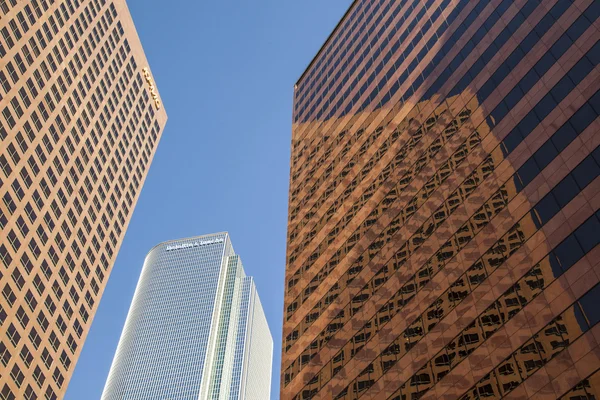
{"x": 444, "y": 202}
{"x": 195, "y": 329}
{"x": 80, "y": 123}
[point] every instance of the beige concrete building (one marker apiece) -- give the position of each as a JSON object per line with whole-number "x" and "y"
{"x": 80, "y": 121}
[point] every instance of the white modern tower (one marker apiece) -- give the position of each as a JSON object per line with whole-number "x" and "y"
{"x": 195, "y": 330}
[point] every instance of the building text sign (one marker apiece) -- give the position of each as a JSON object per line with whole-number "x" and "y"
{"x": 197, "y": 243}
{"x": 151, "y": 87}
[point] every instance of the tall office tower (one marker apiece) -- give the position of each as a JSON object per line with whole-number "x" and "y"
{"x": 195, "y": 329}
{"x": 80, "y": 123}
{"x": 443, "y": 220}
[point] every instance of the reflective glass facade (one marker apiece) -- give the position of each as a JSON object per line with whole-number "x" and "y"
{"x": 444, "y": 218}
{"x": 194, "y": 329}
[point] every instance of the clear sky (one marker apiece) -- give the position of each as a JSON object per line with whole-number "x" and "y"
{"x": 225, "y": 71}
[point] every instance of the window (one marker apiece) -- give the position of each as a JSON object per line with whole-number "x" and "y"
{"x": 14, "y": 240}
{"x": 54, "y": 341}
{"x": 42, "y": 234}
{"x": 22, "y": 225}
{"x": 57, "y": 289}
{"x": 5, "y": 256}
{"x": 30, "y": 300}
{"x": 17, "y": 375}
{"x": 78, "y": 328}
{"x": 50, "y": 306}
{"x": 88, "y": 298}
{"x": 63, "y": 275}
{"x": 47, "y": 358}
{"x": 20, "y": 64}
{"x": 60, "y": 323}
{"x": 33, "y": 165}
{"x": 38, "y": 284}
{"x": 46, "y": 270}
{"x": 486, "y": 391}
{"x": 16, "y": 107}
{"x": 12, "y": 72}
{"x": 9, "y": 295}
{"x": 17, "y": 189}
{"x": 468, "y": 339}
{"x": 99, "y": 273}
{"x": 38, "y": 376}
{"x": 42, "y": 321}
{"x": 35, "y": 338}
{"x": 27, "y": 54}
{"x": 58, "y": 378}
{"x": 32, "y": 88}
{"x": 26, "y": 178}
{"x": 13, "y": 335}
{"x": 6, "y": 393}
{"x": 4, "y": 354}
{"x": 65, "y": 360}
{"x": 18, "y": 278}
{"x": 26, "y": 356}
{"x": 512, "y": 302}
{"x": 589, "y": 232}
{"x": 50, "y": 394}
{"x": 83, "y": 313}
{"x": 49, "y": 221}
{"x": 15, "y": 29}
{"x": 67, "y": 309}
{"x": 72, "y": 344}
{"x": 8, "y": 117}
{"x": 80, "y": 283}
{"x": 4, "y": 6}
{"x": 13, "y": 153}
{"x": 589, "y": 304}
{"x": 4, "y": 82}
{"x": 43, "y": 111}
{"x": 5, "y": 166}
{"x": 30, "y": 393}
{"x": 94, "y": 285}
{"x": 55, "y": 208}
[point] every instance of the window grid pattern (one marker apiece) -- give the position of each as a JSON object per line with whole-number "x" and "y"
{"x": 77, "y": 135}
{"x": 429, "y": 178}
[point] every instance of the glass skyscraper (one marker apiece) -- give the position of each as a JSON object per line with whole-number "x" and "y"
{"x": 195, "y": 330}
{"x": 444, "y": 205}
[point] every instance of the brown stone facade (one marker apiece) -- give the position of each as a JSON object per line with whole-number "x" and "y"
{"x": 79, "y": 127}
{"x": 444, "y": 223}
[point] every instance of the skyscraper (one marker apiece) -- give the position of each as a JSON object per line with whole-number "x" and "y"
{"x": 195, "y": 330}
{"x": 81, "y": 119}
{"x": 443, "y": 213}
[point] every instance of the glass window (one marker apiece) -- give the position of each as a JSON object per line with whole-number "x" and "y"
{"x": 588, "y": 234}
{"x": 589, "y": 304}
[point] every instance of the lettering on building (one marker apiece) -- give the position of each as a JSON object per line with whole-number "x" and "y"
{"x": 197, "y": 243}
{"x": 151, "y": 87}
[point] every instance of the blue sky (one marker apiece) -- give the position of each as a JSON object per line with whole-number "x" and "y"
{"x": 225, "y": 71}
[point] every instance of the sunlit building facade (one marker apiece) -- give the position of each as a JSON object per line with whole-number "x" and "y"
{"x": 80, "y": 122}
{"x": 443, "y": 222}
{"x": 195, "y": 330}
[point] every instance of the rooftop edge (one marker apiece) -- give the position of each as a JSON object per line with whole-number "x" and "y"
{"x": 226, "y": 233}
{"x": 326, "y": 42}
